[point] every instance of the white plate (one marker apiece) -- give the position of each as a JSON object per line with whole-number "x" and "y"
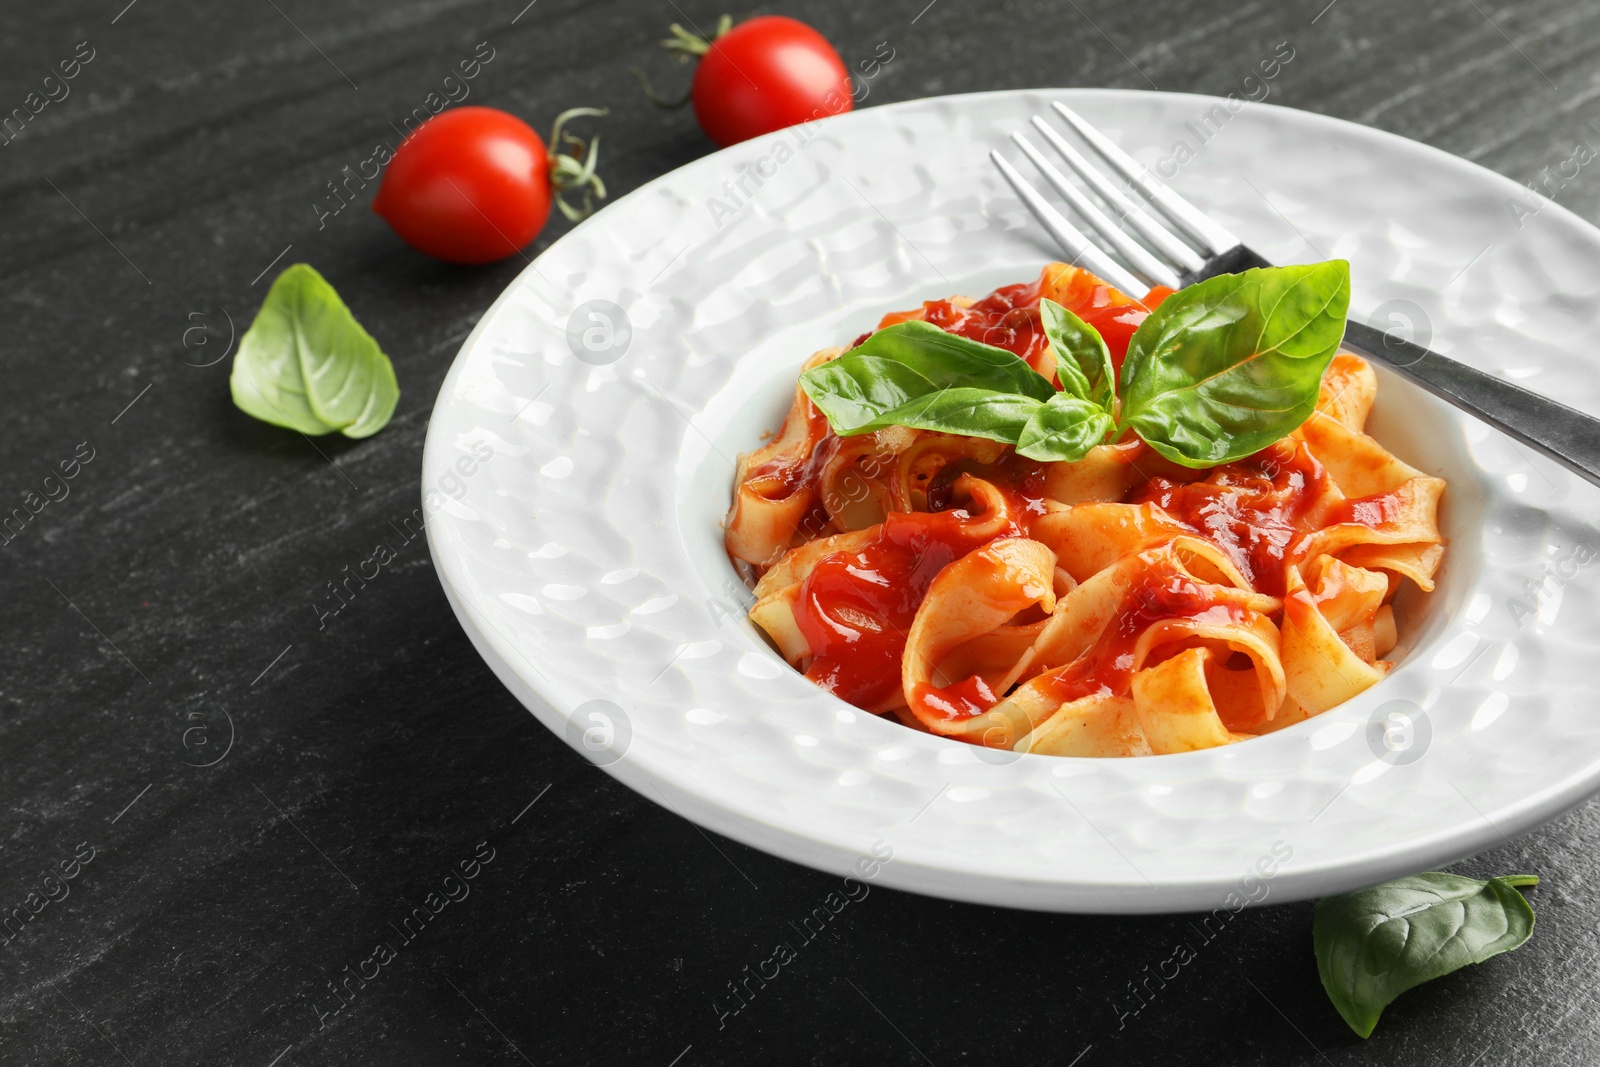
{"x": 584, "y": 557}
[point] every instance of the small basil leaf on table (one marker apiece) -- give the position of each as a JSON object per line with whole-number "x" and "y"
{"x": 1374, "y": 944}
{"x": 306, "y": 364}
{"x": 1064, "y": 428}
{"x": 1083, "y": 363}
{"x": 1222, "y": 369}
{"x": 908, "y": 362}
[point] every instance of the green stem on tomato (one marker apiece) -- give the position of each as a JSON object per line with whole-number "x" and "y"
{"x": 576, "y": 171}
{"x": 660, "y": 101}
{"x": 689, "y": 45}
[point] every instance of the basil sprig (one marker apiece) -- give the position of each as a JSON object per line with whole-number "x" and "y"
{"x": 917, "y": 375}
{"x": 306, "y": 364}
{"x": 1217, "y": 372}
{"x": 1374, "y": 944}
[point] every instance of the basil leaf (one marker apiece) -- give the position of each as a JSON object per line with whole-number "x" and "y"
{"x": 967, "y": 411}
{"x": 305, "y": 363}
{"x": 908, "y": 362}
{"x": 1064, "y": 428}
{"x": 1374, "y": 944}
{"x": 1226, "y": 367}
{"x": 1083, "y": 363}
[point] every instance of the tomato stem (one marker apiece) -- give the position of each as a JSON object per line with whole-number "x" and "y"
{"x": 576, "y": 171}
{"x": 661, "y": 102}
{"x": 689, "y": 45}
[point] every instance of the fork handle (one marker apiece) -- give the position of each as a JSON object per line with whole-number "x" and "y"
{"x": 1565, "y": 434}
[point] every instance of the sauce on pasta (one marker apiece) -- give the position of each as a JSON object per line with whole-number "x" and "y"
{"x": 1164, "y": 592}
{"x": 1374, "y": 511}
{"x": 856, "y": 608}
{"x": 1254, "y": 510}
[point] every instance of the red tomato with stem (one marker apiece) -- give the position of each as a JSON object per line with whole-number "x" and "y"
{"x": 763, "y": 75}
{"x": 475, "y": 184}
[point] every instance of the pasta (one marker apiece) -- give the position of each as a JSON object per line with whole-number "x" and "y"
{"x": 1118, "y": 605}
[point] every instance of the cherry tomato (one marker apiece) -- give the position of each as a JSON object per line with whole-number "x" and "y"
{"x": 766, "y": 74}
{"x": 470, "y": 185}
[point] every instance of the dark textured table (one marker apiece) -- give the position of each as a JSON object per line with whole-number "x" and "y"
{"x": 251, "y": 802}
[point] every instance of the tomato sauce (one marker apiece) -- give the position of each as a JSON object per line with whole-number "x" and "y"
{"x": 856, "y": 608}
{"x": 1373, "y": 511}
{"x": 1161, "y": 592}
{"x": 965, "y": 699}
{"x": 781, "y": 476}
{"x": 1254, "y": 510}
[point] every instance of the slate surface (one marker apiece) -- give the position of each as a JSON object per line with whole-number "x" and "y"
{"x": 164, "y": 606}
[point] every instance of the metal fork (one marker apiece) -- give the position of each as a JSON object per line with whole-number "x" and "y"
{"x": 1190, "y": 247}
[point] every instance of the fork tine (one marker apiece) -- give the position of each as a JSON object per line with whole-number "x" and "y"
{"x": 1154, "y": 271}
{"x": 1150, "y": 228}
{"x": 1079, "y": 248}
{"x": 1185, "y": 215}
